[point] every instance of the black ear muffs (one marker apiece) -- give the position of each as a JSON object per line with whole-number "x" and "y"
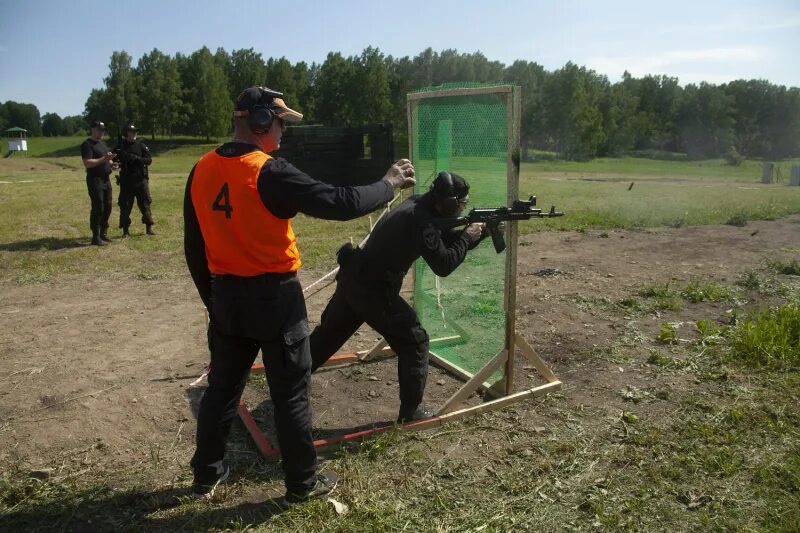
{"x": 259, "y": 119}
{"x": 260, "y": 116}
{"x": 444, "y": 191}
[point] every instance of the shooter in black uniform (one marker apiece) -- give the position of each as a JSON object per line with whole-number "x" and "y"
{"x": 368, "y": 284}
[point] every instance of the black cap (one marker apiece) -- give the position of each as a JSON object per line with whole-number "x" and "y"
{"x": 254, "y": 96}
{"x": 455, "y": 186}
{"x": 99, "y": 125}
{"x": 130, "y": 127}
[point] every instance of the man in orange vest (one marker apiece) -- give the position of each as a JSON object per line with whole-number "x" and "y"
{"x": 243, "y": 258}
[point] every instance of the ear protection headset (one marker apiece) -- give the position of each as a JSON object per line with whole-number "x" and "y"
{"x": 260, "y": 116}
{"x": 444, "y": 190}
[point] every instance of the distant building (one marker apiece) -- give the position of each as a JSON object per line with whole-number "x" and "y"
{"x": 17, "y": 141}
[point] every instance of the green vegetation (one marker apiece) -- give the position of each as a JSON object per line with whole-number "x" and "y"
{"x": 604, "y": 201}
{"x": 698, "y": 291}
{"x": 571, "y": 111}
{"x": 768, "y": 338}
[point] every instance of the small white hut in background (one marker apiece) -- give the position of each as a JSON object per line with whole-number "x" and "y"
{"x": 17, "y": 141}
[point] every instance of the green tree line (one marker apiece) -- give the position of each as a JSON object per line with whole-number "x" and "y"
{"x": 572, "y": 111}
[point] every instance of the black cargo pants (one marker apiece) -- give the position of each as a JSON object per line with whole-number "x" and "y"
{"x": 131, "y": 189}
{"x": 360, "y": 298}
{"x": 264, "y": 313}
{"x": 101, "y": 196}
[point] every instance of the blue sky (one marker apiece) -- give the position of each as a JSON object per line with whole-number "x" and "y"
{"x": 53, "y": 53}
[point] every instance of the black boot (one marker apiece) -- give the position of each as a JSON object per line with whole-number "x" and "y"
{"x": 125, "y": 232}
{"x": 96, "y": 240}
{"x": 150, "y": 230}
{"x": 420, "y": 413}
{"x": 104, "y": 236}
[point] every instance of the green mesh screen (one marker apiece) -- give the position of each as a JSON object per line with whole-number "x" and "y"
{"x": 467, "y": 134}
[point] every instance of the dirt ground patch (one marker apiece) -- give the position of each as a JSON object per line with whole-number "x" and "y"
{"x": 95, "y": 373}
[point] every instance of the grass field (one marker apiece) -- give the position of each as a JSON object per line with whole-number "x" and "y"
{"x": 46, "y": 206}
{"x": 709, "y": 439}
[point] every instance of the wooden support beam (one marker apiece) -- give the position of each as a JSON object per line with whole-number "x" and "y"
{"x": 369, "y": 354}
{"x": 501, "y": 402}
{"x": 453, "y": 368}
{"x": 473, "y": 384}
{"x": 535, "y": 360}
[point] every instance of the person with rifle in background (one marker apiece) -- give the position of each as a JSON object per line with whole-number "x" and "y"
{"x": 134, "y": 183}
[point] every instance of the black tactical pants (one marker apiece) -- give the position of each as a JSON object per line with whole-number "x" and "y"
{"x": 382, "y": 308}
{"x": 134, "y": 189}
{"x": 264, "y": 313}
{"x": 101, "y": 196}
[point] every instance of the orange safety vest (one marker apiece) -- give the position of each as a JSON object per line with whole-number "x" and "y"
{"x": 242, "y": 236}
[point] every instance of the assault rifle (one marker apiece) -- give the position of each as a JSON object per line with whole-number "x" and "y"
{"x": 493, "y": 216}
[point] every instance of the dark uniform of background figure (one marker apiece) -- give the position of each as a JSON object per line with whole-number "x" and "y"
{"x": 98, "y": 162}
{"x": 134, "y": 183}
{"x": 368, "y": 284}
{"x": 266, "y": 311}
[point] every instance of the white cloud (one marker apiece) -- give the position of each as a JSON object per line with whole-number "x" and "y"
{"x": 674, "y": 61}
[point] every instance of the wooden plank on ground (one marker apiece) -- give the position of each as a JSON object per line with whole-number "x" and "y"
{"x": 473, "y": 384}
{"x": 535, "y": 360}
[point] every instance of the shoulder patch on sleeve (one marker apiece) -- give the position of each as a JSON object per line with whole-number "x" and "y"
{"x": 431, "y": 238}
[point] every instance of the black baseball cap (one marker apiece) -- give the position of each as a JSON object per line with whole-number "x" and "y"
{"x": 130, "y": 127}
{"x": 98, "y": 125}
{"x": 442, "y": 188}
{"x": 253, "y": 96}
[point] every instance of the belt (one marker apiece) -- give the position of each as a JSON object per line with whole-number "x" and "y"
{"x": 265, "y": 275}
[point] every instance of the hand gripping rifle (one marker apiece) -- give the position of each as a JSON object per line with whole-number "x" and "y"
{"x": 493, "y": 216}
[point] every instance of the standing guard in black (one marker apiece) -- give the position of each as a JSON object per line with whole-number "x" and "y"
{"x": 134, "y": 183}
{"x": 97, "y": 160}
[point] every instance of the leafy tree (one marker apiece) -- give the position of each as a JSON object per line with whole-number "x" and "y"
{"x": 247, "y": 68}
{"x": 98, "y": 106}
{"x": 73, "y": 125}
{"x": 531, "y": 77}
{"x": 280, "y": 76}
{"x": 211, "y": 106}
{"x": 705, "y": 121}
{"x": 4, "y": 124}
{"x": 784, "y": 130}
{"x": 52, "y": 125}
{"x": 619, "y": 118}
{"x": 161, "y": 92}
{"x": 24, "y": 116}
{"x": 400, "y": 74}
{"x": 304, "y": 81}
{"x": 334, "y": 98}
{"x": 371, "y": 81}
{"x": 754, "y": 108}
{"x": 122, "y": 102}
{"x": 572, "y": 95}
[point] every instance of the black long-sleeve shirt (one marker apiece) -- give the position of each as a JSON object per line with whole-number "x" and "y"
{"x": 408, "y": 232}
{"x": 134, "y": 158}
{"x": 285, "y": 191}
